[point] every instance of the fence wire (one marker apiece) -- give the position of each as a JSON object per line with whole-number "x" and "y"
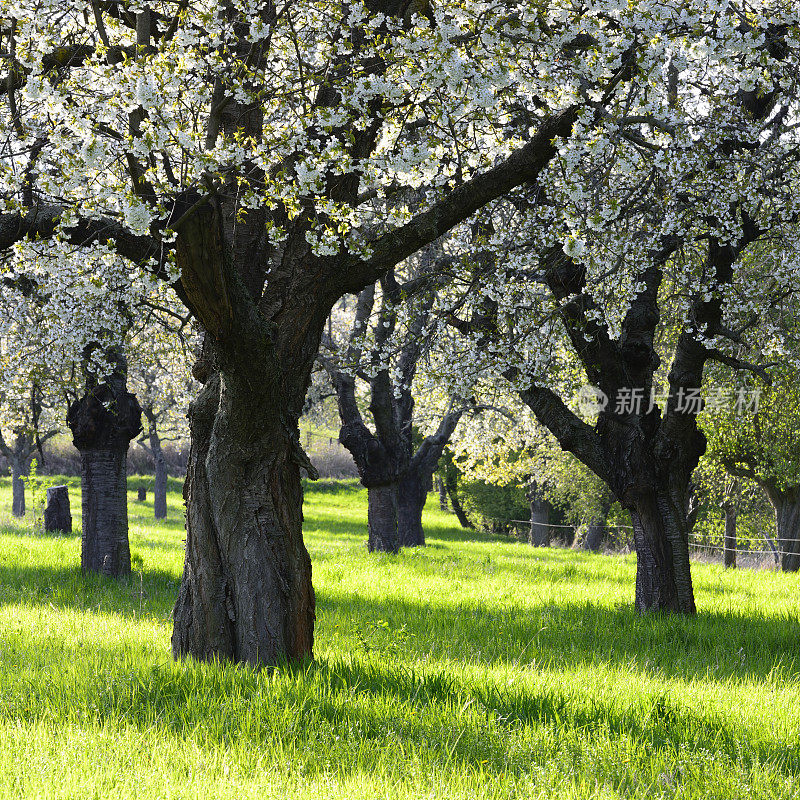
{"x": 695, "y": 540}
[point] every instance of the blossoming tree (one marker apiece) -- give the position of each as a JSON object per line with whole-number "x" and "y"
{"x": 244, "y": 152}
{"x": 628, "y": 255}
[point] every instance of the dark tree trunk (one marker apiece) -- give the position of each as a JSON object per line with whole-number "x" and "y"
{"x": 663, "y": 576}
{"x": 596, "y": 532}
{"x": 18, "y": 489}
{"x": 458, "y": 509}
{"x": 246, "y": 592}
{"x": 593, "y": 539}
{"x": 539, "y": 531}
{"x": 159, "y": 464}
{"x": 411, "y": 497}
{"x": 104, "y": 501}
{"x": 382, "y": 519}
{"x": 57, "y": 514}
{"x": 160, "y": 487}
{"x": 103, "y": 422}
{"x": 729, "y": 545}
{"x": 141, "y": 494}
{"x": 787, "y": 521}
{"x": 442, "y": 489}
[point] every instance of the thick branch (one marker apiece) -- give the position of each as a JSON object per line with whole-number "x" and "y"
{"x": 522, "y": 166}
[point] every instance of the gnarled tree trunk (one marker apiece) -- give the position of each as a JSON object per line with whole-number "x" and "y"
{"x": 246, "y": 592}
{"x": 103, "y": 422}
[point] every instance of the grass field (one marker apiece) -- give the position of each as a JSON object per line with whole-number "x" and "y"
{"x": 475, "y": 667}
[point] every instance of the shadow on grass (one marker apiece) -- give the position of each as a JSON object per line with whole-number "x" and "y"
{"x": 352, "y": 710}
{"x": 67, "y": 588}
{"x": 711, "y": 646}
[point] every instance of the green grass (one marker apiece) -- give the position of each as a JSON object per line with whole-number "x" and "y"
{"x": 475, "y": 667}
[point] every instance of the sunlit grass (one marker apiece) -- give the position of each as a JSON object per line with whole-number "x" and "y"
{"x": 475, "y": 667}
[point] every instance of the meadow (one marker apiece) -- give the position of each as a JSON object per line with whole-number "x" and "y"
{"x": 476, "y": 667}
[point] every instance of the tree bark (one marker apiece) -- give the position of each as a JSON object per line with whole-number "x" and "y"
{"x": 57, "y": 514}
{"x": 103, "y": 422}
{"x": 787, "y": 521}
{"x": 246, "y": 592}
{"x": 411, "y": 498}
{"x": 160, "y": 486}
{"x": 729, "y": 544}
{"x": 159, "y": 464}
{"x": 539, "y": 531}
{"x": 382, "y": 512}
{"x": 458, "y": 509}
{"x": 663, "y": 576}
{"x": 18, "y": 488}
{"x": 104, "y": 502}
{"x": 442, "y": 489}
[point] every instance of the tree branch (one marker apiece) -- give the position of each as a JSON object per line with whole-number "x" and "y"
{"x": 522, "y": 166}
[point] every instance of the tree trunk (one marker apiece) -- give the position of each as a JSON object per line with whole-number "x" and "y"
{"x": 57, "y": 514}
{"x": 539, "y": 532}
{"x": 442, "y": 489}
{"x": 141, "y": 494}
{"x": 246, "y": 591}
{"x": 593, "y": 539}
{"x": 160, "y": 488}
{"x": 382, "y": 515}
{"x": 18, "y": 489}
{"x": 103, "y": 422}
{"x": 411, "y": 497}
{"x": 104, "y": 501}
{"x": 458, "y": 510}
{"x": 729, "y": 545}
{"x": 663, "y": 576}
{"x": 787, "y": 521}
{"x": 596, "y": 532}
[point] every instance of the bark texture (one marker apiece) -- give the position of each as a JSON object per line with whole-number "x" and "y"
{"x": 729, "y": 545}
{"x": 442, "y": 491}
{"x": 539, "y": 532}
{"x": 411, "y": 498}
{"x": 382, "y": 533}
{"x": 787, "y": 520}
{"x": 57, "y": 512}
{"x": 103, "y": 422}
{"x": 18, "y": 490}
{"x": 246, "y": 592}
